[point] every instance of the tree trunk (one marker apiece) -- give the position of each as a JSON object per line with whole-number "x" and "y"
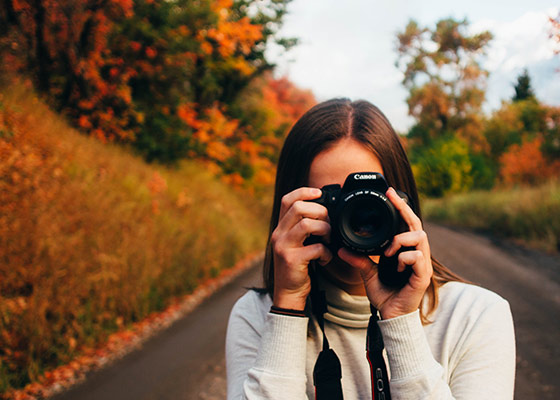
{"x": 41, "y": 52}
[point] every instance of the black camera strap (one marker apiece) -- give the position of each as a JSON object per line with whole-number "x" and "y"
{"x": 327, "y": 373}
{"x": 374, "y": 350}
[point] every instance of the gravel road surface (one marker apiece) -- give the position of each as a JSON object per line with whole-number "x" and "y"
{"x": 187, "y": 360}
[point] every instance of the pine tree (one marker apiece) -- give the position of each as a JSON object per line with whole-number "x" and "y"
{"x": 523, "y": 89}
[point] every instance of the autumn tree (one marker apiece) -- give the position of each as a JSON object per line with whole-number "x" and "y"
{"x": 272, "y": 105}
{"x": 62, "y": 45}
{"x": 267, "y": 109}
{"x": 524, "y": 141}
{"x": 162, "y": 75}
{"x": 503, "y": 129}
{"x": 180, "y": 52}
{"x": 251, "y": 48}
{"x": 446, "y": 83}
{"x": 202, "y": 57}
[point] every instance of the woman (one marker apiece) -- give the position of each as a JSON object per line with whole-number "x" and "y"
{"x": 443, "y": 338}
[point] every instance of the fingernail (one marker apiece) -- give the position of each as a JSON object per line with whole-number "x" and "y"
{"x": 316, "y": 192}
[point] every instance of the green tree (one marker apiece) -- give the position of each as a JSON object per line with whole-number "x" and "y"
{"x": 523, "y": 89}
{"x": 446, "y": 83}
{"x": 443, "y": 167}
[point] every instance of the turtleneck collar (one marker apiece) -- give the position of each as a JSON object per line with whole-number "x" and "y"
{"x": 344, "y": 309}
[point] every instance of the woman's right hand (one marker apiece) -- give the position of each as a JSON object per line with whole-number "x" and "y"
{"x": 298, "y": 220}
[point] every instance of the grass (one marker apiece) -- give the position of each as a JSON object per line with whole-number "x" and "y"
{"x": 93, "y": 239}
{"x": 530, "y": 215}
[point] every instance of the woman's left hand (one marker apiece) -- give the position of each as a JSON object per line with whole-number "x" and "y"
{"x": 395, "y": 302}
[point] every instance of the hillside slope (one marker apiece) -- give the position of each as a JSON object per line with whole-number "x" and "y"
{"x": 92, "y": 238}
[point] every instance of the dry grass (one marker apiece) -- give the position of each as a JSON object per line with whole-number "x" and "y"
{"x": 93, "y": 239}
{"x": 527, "y": 214}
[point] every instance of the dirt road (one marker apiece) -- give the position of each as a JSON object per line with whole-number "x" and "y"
{"x": 187, "y": 362}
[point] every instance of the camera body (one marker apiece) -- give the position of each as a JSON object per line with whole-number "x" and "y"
{"x": 365, "y": 221}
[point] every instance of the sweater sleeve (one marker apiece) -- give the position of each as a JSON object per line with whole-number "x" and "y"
{"x": 265, "y": 354}
{"x": 485, "y": 354}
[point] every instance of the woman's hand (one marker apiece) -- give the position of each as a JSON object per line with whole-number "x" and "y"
{"x": 297, "y": 221}
{"x": 395, "y": 302}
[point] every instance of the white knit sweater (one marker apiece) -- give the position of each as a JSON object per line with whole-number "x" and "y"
{"x": 467, "y": 352}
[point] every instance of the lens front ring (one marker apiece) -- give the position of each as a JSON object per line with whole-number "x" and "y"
{"x": 367, "y": 221}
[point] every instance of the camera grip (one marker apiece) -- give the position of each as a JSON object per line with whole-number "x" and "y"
{"x": 388, "y": 273}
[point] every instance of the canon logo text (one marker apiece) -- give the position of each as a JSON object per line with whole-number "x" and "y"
{"x": 361, "y": 177}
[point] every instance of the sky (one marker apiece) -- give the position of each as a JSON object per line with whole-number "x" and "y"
{"x": 347, "y": 48}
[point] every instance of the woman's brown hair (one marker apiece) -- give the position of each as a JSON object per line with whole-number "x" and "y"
{"x": 319, "y": 129}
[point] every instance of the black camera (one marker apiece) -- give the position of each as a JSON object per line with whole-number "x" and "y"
{"x": 365, "y": 221}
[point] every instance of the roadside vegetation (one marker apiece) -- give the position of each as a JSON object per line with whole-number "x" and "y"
{"x": 528, "y": 215}
{"x": 93, "y": 239}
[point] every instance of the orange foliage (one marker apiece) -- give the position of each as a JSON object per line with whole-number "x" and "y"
{"x": 526, "y": 164}
{"x": 218, "y": 151}
{"x": 188, "y": 115}
{"x": 287, "y": 100}
{"x": 219, "y": 125}
{"x": 224, "y": 139}
{"x": 157, "y": 184}
{"x": 430, "y": 105}
{"x": 229, "y": 37}
{"x": 234, "y": 36}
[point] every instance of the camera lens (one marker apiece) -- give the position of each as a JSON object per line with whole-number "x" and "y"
{"x": 366, "y": 223}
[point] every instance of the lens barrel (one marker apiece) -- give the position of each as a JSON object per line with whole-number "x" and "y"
{"x": 367, "y": 221}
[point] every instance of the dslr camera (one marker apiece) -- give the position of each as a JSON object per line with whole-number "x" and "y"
{"x": 365, "y": 221}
